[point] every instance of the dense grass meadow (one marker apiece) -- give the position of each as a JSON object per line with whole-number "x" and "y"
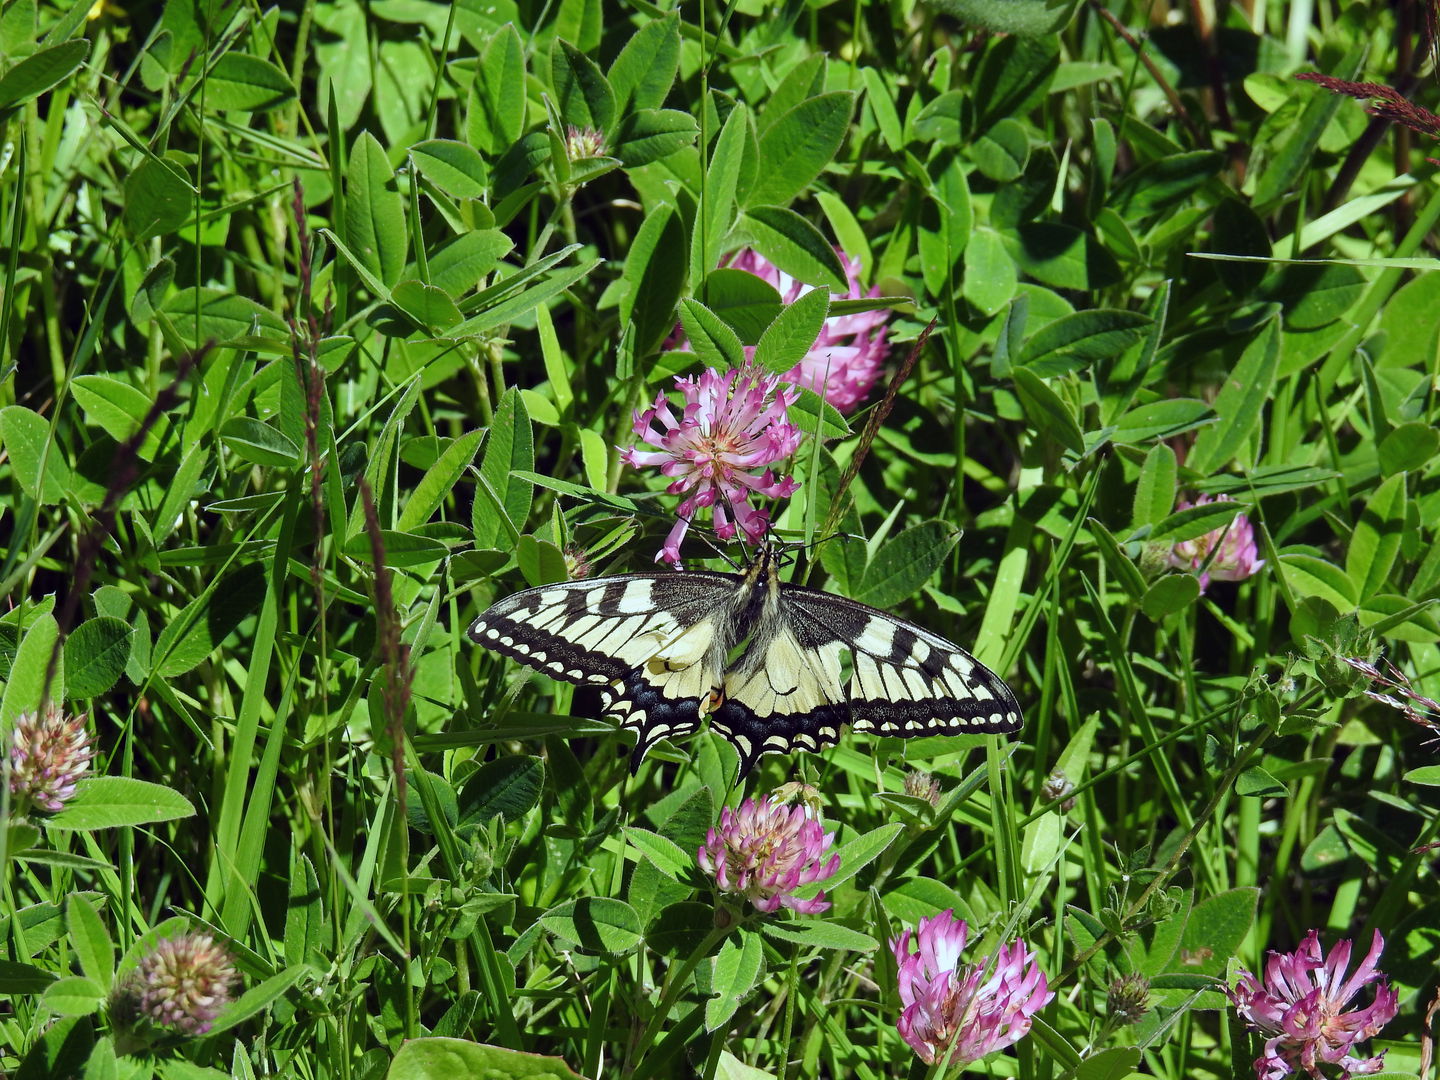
{"x": 1100, "y": 338}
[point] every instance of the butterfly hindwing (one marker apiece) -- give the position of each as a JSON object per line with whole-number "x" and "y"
{"x": 665, "y": 696}
{"x": 782, "y": 695}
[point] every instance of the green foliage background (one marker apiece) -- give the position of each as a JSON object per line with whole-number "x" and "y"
{"x": 258, "y": 262}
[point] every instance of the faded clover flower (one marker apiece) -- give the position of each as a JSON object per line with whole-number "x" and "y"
{"x": 181, "y": 984}
{"x": 794, "y": 790}
{"x": 1300, "y": 1009}
{"x": 48, "y": 755}
{"x": 844, "y": 362}
{"x": 1237, "y": 556}
{"x": 920, "y": 784}
{"x": 765, "y": 851}
{"x": 1128, "y": 998}
{"x": 1058, "y": 786}
{"x": 577, "y": 562}
{"x": 733, "y": 424}
{"x": 957, "y": 1012}
{"x": 583, "y": 143}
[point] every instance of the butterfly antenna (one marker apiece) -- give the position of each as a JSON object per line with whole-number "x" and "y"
{"x": 704, "y": 535}
{"x": 783, "y": 553}
{"x": 814, "y": 545}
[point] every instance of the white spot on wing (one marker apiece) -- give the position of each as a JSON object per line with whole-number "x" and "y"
{"x": 635, "y": 600}
{"x": 878, "y": 637}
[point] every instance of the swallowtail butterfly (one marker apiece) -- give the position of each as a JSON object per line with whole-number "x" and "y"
{"x": 772, "y": 666}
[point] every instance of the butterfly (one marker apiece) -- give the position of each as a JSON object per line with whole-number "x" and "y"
{"x": 772, "y": 666}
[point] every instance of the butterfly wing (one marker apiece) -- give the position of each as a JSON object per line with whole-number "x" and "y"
{"x": 789, "y": 689}
{"x": 906, "y": 680}
{"x": 654, "y": 643}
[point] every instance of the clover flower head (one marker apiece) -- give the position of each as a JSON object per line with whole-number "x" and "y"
{"x": 583, "y": 142}
{"x": 1300, "y": 1009}
{"x": 48, "y": 755}
{"x": 1059, "y": 786}
{"x": 1237, "y": 557}
{"x": 181, "y": 984}
{"x": 765, "y": 851}
{"x": 920, "y": 784}
{"x": 958, "y": 1012}
{"x": 716, "y": 450}
{"x": 1128, "y": 998}
{"x": 844, "y": 362}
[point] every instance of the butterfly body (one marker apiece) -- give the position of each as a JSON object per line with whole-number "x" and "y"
{"x": 763, "y": 661}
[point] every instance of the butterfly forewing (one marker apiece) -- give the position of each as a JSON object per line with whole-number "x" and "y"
{"x": 598, "y": 631}
{"x": 907, "y": 681}
{"x": 775, "y": 667}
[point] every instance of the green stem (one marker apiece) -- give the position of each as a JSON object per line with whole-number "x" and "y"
{"x": 675, "y": 981}
{"x": 792, "y": 987}
{"x": 1222, "y": 789}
